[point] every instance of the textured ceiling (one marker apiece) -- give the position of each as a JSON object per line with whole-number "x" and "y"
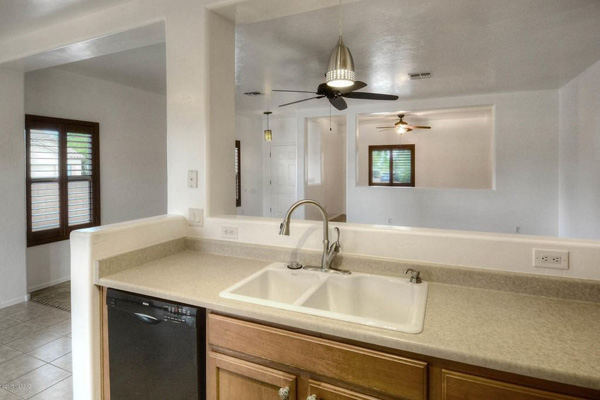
{"x": 470, "y": 46}
{"x": 21, "y": 16}
{"x": 142, "y": 68}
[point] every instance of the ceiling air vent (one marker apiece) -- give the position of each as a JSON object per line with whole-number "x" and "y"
{"x": 253, "y": 94}
{"x": 419, "y": 75}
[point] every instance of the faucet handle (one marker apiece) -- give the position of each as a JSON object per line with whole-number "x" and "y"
{"x": 335, "y": 246}
{"x": 415, "y": 275}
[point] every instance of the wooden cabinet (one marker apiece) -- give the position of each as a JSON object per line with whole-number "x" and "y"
{"x": 368, "y": 371}
{"x": 459, "y": 386}
{"x": 231, "y": 378}
{"x": 253, "y": 361}
{"x": 324, "y": 391}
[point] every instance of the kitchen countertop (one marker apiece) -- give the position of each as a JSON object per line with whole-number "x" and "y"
{"x": 547, "y": 338}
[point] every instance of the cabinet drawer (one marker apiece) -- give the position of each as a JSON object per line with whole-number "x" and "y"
{"x": 456, "y": 385}
{"x": 385, "y": 373}
{"x": 324, "y": 391}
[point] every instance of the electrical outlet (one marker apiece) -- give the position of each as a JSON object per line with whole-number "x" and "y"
{"x": 229, "y": 232}
{"x": 196, "y": 216}
{"x": 556, "y": 259}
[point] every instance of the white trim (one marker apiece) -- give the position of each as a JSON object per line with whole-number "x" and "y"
{"x": 14, "y": 301}
{"x": 48, "y": 284}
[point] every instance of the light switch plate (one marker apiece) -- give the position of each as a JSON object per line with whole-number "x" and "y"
{"x": 556, "y": 259}
{"x": 196, "y": 216}
{"x": 192, "y": 179}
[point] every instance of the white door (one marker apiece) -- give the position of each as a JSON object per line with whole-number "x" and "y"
{"x": 282, "y": 179}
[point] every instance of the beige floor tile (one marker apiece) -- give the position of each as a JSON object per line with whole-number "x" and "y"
{"x": 53, "y": 350}
{"x": 37, "y": 381}
{"x": 65, "y": 362}
{"x": 38, "y": 339}
{"x": 7, "y": 322}
{"x": 62, "y": 328}
{"x": 63, "y": 390}
{"x": 31, "y": 313}
{"x": 51, "y": 318}
{"x": 8, "y": 353}
{"x": 18, "y": 331}
{"x": 6, "y": 395}
{"x": 9, "y": 311}
{"x": 17, "y": 367}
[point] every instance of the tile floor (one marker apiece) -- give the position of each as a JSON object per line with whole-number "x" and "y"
{"x": 35, "y": 353}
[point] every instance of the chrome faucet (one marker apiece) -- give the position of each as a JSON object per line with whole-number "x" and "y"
{"x": 329, "y": 250}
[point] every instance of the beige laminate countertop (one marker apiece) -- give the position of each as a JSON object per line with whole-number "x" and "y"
{"x": 546, "y": 338}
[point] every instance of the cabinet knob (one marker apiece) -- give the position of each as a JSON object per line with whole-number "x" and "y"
{"x": 284, "y": 393}
{"x": 312, "y": 397}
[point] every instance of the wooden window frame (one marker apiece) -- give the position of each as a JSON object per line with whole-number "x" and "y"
{"x": 410, "y": 147}
{"x": 238, "y": 172}
{"x": 62, "y": 125}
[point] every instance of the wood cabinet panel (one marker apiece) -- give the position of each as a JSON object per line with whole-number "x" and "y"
{"x": 324, "y": 391}
{"x": 401, "y": 377}
{"x": 456, "y": 385}
{"x": 232, "y": 379}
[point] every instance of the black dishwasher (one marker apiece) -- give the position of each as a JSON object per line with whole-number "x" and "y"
{"x": 156, "y": 349}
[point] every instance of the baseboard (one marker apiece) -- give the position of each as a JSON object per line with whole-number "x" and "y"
{"x": 14, "y": 301}
{"x": 48, "y": 284}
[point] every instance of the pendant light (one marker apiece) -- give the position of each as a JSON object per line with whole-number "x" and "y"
{"x": 340, "y": 72}
{"x": 268, "y": 132}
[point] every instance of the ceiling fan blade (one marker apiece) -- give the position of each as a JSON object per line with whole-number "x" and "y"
{"x": 386, "y": 127}
{"x": 418, "y": 127}
{"x": 300, "y": 101}
{"x": 293, "y": 91}
{"x": 369, "y": 96}
{"x": 356, "y": 86}
{"x": 338, "y": 103}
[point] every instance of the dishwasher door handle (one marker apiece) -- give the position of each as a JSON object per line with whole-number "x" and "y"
{"x": 148, "y": 319}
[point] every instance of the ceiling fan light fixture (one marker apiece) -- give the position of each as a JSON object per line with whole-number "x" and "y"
{"x": 340, "y": 72}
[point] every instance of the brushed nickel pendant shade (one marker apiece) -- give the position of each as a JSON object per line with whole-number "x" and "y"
{"x": 340, "y": 71}
{"x": 268, "y": 133}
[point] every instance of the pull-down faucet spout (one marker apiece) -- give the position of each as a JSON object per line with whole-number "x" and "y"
{"x": 329, "y": 251}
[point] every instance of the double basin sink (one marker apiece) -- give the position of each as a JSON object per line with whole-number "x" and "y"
{"x": 373, "y": 300}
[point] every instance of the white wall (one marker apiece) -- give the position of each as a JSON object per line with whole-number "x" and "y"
{"x": 580, "y": 155}
{"x": 331, "y": 191}
{"x": 133, "y": 153}
{"x": 455, "y": 153}
{"x": 526, "y": 187}
{"x": 13, "y": 220}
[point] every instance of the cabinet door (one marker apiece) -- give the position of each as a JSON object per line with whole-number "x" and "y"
{"x": 459, "y": 386}
{"x": 324, "y": 391}
{"x": 233, "y": 379}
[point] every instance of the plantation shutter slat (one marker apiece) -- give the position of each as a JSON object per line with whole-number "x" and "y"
{"x": 62, "y": 178}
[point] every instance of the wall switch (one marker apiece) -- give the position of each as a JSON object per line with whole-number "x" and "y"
{"x": 192, "y": 179}
{"x": 229, "y": 232}
{"x": 556, "y": 259}
{"x": 196, "y": 216}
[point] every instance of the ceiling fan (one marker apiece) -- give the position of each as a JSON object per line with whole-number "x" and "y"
{"x": 336, "y": 95}
{"x": 401, "y": 126}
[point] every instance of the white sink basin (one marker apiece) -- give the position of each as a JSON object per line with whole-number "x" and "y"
{"x": 383, "y": 302}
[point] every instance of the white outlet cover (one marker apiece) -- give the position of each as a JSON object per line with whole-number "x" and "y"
{"x": 229, "y": 232}
{"x": 560, "y": 259}
{"x": 196, "y": 216}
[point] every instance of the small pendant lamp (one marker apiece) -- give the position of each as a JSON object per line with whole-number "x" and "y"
{"x": 268, "y": 132}
{"x": 340, "y": 72}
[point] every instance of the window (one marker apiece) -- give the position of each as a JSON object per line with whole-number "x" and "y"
{"x": 63, "y": 178}
{"x": 392, "y": 165}
{"x": 238, "y": 174}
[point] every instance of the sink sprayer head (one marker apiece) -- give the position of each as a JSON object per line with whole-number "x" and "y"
{"x": 284, "y": 228}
